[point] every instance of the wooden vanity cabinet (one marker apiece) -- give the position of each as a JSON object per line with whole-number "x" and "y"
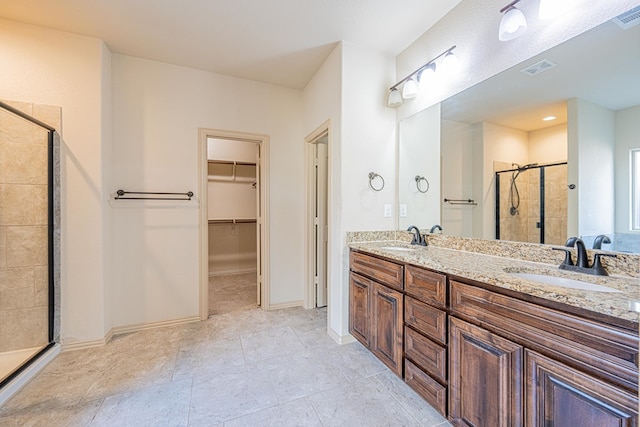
{"x": 486, "y": 357}
{"x": 376, "y": 307}
{"x": 560, "y": 395}
{"x": 486, "y": 372}
{"x": 510, "y": 357}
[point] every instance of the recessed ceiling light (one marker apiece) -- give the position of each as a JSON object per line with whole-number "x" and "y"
{"x": 549, "y": 118}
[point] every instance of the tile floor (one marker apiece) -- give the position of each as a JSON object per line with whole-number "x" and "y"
{"x": 232, "y": 292}
{"x": 242, "y": 368}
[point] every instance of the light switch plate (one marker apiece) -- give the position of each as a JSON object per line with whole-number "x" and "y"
{"x": 403, "y": 211}
{"x": 387, "y": 210}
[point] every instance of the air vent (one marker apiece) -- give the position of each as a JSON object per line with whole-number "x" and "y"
{"x": 628, "y": 19}
{"x": 538, "y": 67}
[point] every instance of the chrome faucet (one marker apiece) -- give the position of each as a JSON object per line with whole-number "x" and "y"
{"x": 602, "y": 238}
{"x": 434, "y": 228}
{"x": 582, "y": 262}
{"x": 417, "y": 238}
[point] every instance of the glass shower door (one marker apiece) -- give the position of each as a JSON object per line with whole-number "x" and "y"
{"x": 26, "y": 238}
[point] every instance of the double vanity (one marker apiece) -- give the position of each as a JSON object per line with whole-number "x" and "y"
{"x": 495, "y": 340}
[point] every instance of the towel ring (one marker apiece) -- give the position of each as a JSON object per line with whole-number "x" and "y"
{"x": 372, "y": 176}
{"x": 420, "y": 179}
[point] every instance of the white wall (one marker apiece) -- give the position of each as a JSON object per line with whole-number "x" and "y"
{"x": 473, "y": 27}
{"x": 349, "y": 90}
{"x": 499, "y": 144}
{"x": 627, "y": 131}
{"x": 548, "y": 145}
{"x": 457, "y": 177}
{"x": 591, "y": 139}
{"x": 158, "y": 109}
{"x": 419, "y": 155}
{"x": 55, "y": 68}
{"x": 322, "y": 101}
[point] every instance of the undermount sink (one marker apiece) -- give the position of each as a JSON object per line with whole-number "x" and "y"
{"x": 396, "y": 248}
{"x": 565, "y": 282}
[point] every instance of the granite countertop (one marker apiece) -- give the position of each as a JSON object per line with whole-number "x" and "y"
{"x": 495, "y": 271}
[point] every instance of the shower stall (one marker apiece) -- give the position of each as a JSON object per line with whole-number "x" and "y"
{"x": 29, "y": 235}
{"x": 531, "y": 203}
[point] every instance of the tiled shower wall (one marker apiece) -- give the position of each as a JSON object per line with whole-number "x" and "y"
{"x": 523, "y": 227}
{"x": 23, "y": 227}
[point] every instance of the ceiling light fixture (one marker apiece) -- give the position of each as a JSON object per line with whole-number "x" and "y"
{"x": 421, "y": 75}
{"x": 549, "y": 118}
{"x": 513, "y": 22}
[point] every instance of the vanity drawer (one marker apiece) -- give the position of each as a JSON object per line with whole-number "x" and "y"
{"x": 430, "y": 390}
{"x": 428, "y": 355}
{"x": 426, "y": 285}
{"x": 426, "y": 319}
{"x": 385, "y": 272}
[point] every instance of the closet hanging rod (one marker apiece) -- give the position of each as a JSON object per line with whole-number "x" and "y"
{"x": 232, "y": 221}
{"x": 145, "y": 195}
{"x": 461, "y": 202}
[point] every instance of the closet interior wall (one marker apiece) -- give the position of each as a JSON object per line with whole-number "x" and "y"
{"x": 232, "y": 206}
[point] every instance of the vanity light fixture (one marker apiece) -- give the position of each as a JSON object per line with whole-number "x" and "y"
{"x": 427, "y": 74}
{"x": 411, "y": 88}
{"x": 395, "y": 99}
{"x": 513, "y": 22}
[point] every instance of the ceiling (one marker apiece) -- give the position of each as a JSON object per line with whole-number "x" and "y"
{"x": 283, "y": 42}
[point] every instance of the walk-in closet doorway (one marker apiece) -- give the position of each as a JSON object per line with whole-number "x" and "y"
{"x": 233, "y": 225}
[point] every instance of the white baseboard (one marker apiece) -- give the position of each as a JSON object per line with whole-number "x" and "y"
{"x": 340, "y": 339}
{"x": 127, "y": 329}
{"x": 28, "y": 374}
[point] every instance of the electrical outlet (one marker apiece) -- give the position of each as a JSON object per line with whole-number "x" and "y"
{"x": 387, "y": 210}
{"x": 403, "y": 211}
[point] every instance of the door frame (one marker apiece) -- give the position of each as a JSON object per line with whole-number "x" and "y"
{"x": 309, "y": 288}
{"x": 263, "y": 214}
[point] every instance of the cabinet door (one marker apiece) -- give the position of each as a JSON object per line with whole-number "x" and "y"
{"x": 360, "y": 291}
{"x": 485, "y": 377}
{"x": 558, "y": 395}
{"x": 387, "y": 326}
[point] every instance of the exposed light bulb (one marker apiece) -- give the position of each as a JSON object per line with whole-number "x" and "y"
{"x": 512, "y": 25}
{"x": 410, "y": 89}
{"x": 395, "y": 99}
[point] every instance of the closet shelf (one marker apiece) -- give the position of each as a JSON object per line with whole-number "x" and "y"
{"x": 231, "y": 171}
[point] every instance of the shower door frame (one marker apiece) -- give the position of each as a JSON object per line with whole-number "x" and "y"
{"x": 542, "y": 196}
{"x": 51, "y": 222}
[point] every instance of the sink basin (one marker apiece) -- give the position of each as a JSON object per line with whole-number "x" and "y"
{"x": 564, "y": 282}
{"x": 396, "y": 248}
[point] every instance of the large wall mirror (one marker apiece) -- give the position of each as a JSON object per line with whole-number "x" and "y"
{"x": 507, "y": 173}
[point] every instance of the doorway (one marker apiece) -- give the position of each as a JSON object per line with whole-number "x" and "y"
{"x": 233, "y": 222}
{"x": 316, "y": 292}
